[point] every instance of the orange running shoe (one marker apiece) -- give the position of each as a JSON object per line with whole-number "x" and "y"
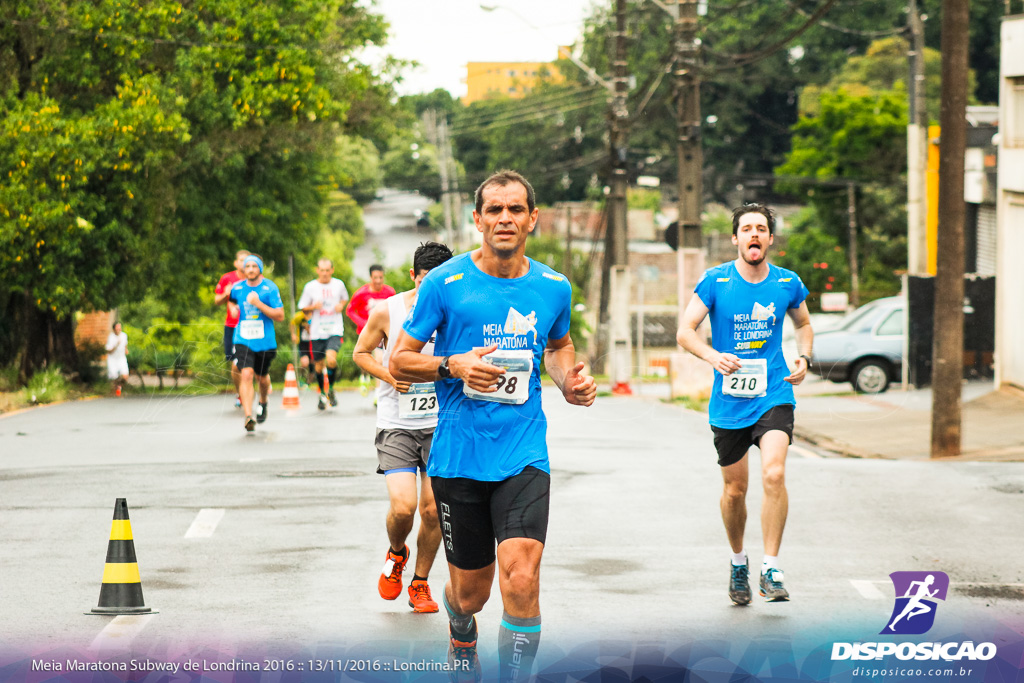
{"x": 419, "y": 597}
{"x": 389, "y": 585}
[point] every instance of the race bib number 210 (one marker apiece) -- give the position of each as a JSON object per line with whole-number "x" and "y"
{"x": 750, "y": 381}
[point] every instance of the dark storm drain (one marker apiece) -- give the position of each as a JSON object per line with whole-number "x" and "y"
{"x": 319, "y": 474}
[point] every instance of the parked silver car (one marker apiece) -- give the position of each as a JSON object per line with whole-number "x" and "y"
{"x": 866, "y": 349}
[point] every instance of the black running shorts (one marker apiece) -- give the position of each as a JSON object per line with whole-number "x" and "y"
{"x": 259, "y": 361}
{"x": 732, "y": 444}
{"x": 477, "y": 515}
{"x": 322, "y": 346}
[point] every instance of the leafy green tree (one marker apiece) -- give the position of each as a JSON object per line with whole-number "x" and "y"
{"x": 142, "y": 143}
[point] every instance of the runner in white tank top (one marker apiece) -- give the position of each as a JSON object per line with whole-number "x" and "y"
{"x": 406, "y": 418}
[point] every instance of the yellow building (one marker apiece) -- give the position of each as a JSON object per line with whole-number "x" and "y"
{"x": 486, "y": 80}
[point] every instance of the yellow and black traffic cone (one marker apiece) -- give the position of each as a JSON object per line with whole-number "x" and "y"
{"x": 121, "y": 592}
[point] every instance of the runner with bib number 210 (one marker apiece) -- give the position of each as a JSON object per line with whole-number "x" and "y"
{"x": 752, "y": 398}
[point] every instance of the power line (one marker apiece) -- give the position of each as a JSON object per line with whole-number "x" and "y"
{"x": 506, "y": 107}
{"x": 526, "y": 116}
{"x": 849, "y": 31}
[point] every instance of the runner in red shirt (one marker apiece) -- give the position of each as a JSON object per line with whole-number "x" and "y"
{"x": 220, "y": 296}
{"x": 362, "y": 302}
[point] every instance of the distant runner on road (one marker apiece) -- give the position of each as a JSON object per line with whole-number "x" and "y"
{"x": 362, "y": 304}
{"x": 259, "y": 302}
{"x": 752, "y": 397}
{"x": 323, "y": 301}
{"x": 117, "y": 357}
{"x": 406, "y": 418}
{"x": 221, "y": 295}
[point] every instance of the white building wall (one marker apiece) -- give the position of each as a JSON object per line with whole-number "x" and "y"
{"x": 1009, "y": 359}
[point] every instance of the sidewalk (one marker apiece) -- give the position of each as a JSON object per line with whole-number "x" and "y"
{"x": 897, "y": 424}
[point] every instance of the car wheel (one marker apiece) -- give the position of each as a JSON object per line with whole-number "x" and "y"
{"x": 870, "y": 377}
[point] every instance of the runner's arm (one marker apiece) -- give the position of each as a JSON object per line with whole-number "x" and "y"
{"x": 687, "y": 337}
{"x": 560, "y": 361}
{"x": 369, "y": 339}
{"x": 355, "y": 310}
{"x": 408, "y": 364}
{"x": 801, "y": 318}
{"x": 276, "y": 314}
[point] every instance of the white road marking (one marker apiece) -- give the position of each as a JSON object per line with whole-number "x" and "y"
{"x": 120, "y": 631}
{"x": 803, "y": 452}
{"x": 205, "y": 523}
{"x": 868, "y": 589}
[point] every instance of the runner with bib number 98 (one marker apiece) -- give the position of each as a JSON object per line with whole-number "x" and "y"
{"x": 496, "y": 313}
{"x": 406, "y": 418}
{"x": 752, "y": 398}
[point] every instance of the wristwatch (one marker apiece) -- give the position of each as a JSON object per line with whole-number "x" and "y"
{"x": 808, "y": 359}
{"x": 442, "y": 370}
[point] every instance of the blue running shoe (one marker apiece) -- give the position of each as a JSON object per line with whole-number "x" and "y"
{"x": 771, "y": 586}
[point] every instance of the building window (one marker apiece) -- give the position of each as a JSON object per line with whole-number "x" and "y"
{"x": 1015, "y": 113}
{"x": 512, "y": 73}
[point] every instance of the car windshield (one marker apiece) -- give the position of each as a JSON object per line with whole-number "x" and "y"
{"x": 861, "y": 319}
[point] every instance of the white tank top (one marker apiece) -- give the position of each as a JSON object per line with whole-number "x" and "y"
{"x": 387, "y": 397}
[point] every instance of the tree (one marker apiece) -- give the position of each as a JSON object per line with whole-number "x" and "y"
{"x": 142, "y": 143}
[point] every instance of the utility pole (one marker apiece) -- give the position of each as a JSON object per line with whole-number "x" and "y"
{"x": 617, "y": 237}
{"x": 690, "y": 157}
{"x": 452, "y": 197}
{"x": 851, "y": 226}
{"x": 948, "y": 350}
{"x": 917, "y": 149}
{"x": 433, "y": 133}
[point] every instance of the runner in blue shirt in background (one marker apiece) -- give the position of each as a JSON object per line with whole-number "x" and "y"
{"x": 752, "y": 398}
{"x": 489, "y": 462}
{"x": 259, "y": 303}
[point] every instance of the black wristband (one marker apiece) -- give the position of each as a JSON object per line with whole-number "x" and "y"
{"x": 806, "y": 358}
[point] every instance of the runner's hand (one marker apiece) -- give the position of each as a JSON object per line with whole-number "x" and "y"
{"x": 252, "y": 298}
{"x": 400, "y": 387}
{"x": 477, "y": 373}
{"x": 799, "y": 371}
{"x": 725, "y": 363}
{"x": 579, "y": 390}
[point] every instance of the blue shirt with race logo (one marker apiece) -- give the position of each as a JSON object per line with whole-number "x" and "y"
{"x": 468, "y": 308}
{"x": 255, "y": 330}
{"x": 746, "y": 320}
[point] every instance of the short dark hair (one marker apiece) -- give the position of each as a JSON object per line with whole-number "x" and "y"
{"x": 753, "y": 207}
{"x": 376, "y": 267}
{"x": 116, "y": 323}
{"x": 502, "y": 178}
{"x": 429, "y": 255}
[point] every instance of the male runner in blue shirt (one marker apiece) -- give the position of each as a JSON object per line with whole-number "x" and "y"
{"x": 752, "y": 398}
{"x": 489, "y": 462}
{"x": 259, "y": 303}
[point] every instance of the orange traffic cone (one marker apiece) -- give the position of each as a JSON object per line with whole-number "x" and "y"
{"x": 121, "y": 592}
{"x": 291, "y": 389}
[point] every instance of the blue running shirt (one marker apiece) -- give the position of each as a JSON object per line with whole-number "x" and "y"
{"x": 254, "y": 329}
{"x": 468, "y": 308}
{"x": 746, "y": 320}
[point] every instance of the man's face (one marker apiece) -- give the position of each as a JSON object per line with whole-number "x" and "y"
{"x": 417, "y": 278}
{"x": 240, "y": 260}
{"x": 252, "y": 271}
{"x": 377, "y": 280}
{"x": 753, "y": 238}
{"x": 505, "y": 219}
{"x": 324, "y": 271}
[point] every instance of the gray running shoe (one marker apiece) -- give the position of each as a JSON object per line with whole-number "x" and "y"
{"x": 332, "y": 398}
{"x": 322, "y": 403}
{"x": 739, "y": 584}
{"x": 771, "y": 586}
{"x": 463, "y": 662}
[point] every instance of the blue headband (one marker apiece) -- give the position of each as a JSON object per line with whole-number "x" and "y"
{"x": 252, "y": 258}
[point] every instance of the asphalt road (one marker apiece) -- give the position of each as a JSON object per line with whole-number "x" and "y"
{"x": 273, "y": 541}
{"x": 391, "y": 232}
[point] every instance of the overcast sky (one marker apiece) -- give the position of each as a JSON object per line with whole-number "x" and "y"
{"x": 442, "y": 35}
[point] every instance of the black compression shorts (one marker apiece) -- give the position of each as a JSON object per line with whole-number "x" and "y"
{"x": 477, "y": 515}
{"x": 732, "y": 444}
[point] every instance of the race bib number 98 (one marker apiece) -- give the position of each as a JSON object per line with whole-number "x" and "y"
{"x": 420, "y": 401}
{"x": 750, "y": 381}
{"x": 512, "y": 387}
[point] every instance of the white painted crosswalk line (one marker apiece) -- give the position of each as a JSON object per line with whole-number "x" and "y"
{"x": 868, "y": 589}
{"x": 205, "y": 523}
{"x": 120, "y": 631}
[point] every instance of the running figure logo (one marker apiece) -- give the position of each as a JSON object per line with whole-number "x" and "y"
{"x": 763, "y": 312}
{"x": 518, "y": 324}
{"x": 917, "y": 594}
